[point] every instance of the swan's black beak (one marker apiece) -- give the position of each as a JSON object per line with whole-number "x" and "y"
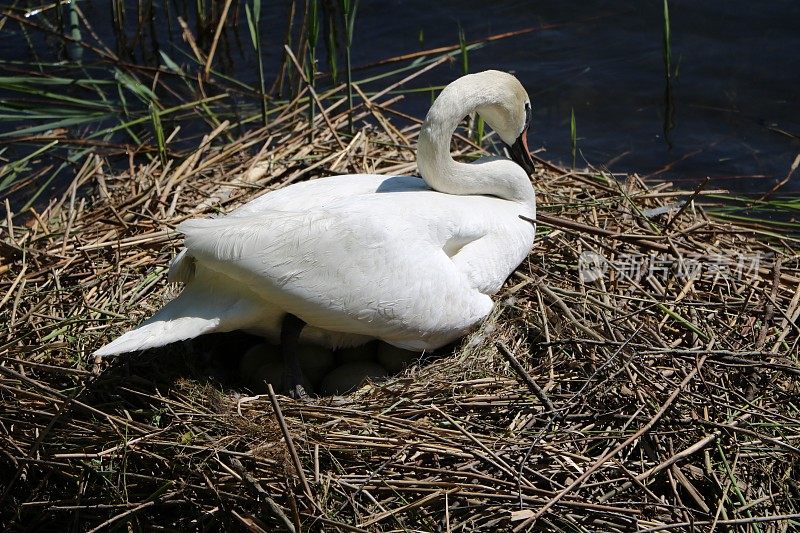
{"x": 519, "y": 153}
{"x": 519, "y": 150}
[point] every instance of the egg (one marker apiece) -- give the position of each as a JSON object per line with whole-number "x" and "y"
{"x": 350, "y": 376}
{"x": 315, "y": 361}
{"x": 395, "y": 359}
{"x": 272, "y": 373}
{"x": 365, "y": 352}
{"x": 256, "y": 357}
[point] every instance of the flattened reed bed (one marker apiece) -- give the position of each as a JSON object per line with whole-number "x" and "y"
{"x": 640, "y": 371}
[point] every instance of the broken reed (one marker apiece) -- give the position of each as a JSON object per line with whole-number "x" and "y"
{"x": 666, "y": 53}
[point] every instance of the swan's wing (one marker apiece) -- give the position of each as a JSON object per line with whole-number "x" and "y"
{"x": 353, "y": 269}
{"x": 305, "y": 196}
{"x": 489, "y": 260}
{"x": 210, "y": 302}
{"x": 483, "y": 236}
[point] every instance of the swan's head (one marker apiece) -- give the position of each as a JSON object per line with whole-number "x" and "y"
{"x": 509, "y": 113}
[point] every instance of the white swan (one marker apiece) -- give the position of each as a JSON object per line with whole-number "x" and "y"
{"x": 406, "y": 260}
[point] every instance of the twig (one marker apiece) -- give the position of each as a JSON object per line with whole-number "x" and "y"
{"x": 527, "y": 379}
{"x": 122, "y": 515}
{"x": 563, "y": 223}
{"x": 298, "y": 466}
{"x": 688, "y": 201}
{"x": 221, "y": 24}
{"x": 273, "y": 507}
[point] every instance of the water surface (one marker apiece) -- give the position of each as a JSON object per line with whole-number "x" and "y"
{"x": 736, "y": 96}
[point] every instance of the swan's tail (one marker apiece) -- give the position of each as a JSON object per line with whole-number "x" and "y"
{"x": 205, "y": 306}
{"x": 156, "y": 333}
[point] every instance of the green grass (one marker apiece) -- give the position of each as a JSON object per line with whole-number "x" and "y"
{"x": 573, "y": 137}
{"x": 773, "y": 217}
{"x": 254, "y": 25}
{"x": 462, "y": 46}
{"x": 349, "y": 10}
{"x": 666, "y": 53}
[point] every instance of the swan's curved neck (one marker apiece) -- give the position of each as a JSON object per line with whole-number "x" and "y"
{"x": 437, "y": 166}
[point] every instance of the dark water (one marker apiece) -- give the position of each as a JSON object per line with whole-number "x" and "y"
{"x": 735, "y": 104}
{"x": 736, "y": 96}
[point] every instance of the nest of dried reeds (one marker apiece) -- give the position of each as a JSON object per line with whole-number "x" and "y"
{"x": 640, "y": 371}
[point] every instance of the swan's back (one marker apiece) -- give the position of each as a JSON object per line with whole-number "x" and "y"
{"x": 309, "y": 195}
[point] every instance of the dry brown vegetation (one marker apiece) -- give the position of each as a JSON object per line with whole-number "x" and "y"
{"x": 652, "y": 400}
